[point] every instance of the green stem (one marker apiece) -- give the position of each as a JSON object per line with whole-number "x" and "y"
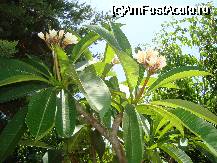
{"x": 138, "y": 96}
{"x": 56, "y": 66}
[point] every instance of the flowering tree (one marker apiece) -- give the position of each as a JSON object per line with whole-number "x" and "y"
{"x": 72, "y": 97}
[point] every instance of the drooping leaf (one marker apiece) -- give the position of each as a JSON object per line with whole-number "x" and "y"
{"x": 132, "y": 135}
{"x": 37, "y": 63}
{"x": 189, "y": 106}
{"x": 204, "y": 130}
{"x": 105, "y": 34}
{"x": 177, "y": 73}
{"x": 179, "y": 155}
{"x": 12, "y": 133}
{"x": 93, "y": 88}
{"x": 41, "y": 112}
{"x": 66, "y": 115}
{"x": 83, "y": 44}
{"x": 174, "y": 121}
{"x": 17, "y": 90}
{"x": 22, "y": 78}
{"x": 121, "y": 38}
{"x": 13, "y": 67}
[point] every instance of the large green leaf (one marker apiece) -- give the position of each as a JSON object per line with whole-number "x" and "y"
{"x": 109, "y": 54}
{"x": 177, "y": 73}
{"x": 121, "y": 38}
{"x": 13, "y": 67}
{"x": 105, "y": 34}
{"x": 93, "y": 88}
{"x": 62, "y": 60}
{"x": 12, "y": 133}
{"x": 37, "y": 63}
{"x": 179, "y": 155}
{"x": 66, "y": 114}
{"x": 131, "y": 68}
{"x": 83, "y": 44}
{"x": 14, "y": 91}
{"x": 174, "y": 121}
{"x": 22, "y": 78}
{"x": 189, "y": 106}
{"x": 41, "y": 112}
{"x": 204, "y": 130}
{"x": 132, "y": 135}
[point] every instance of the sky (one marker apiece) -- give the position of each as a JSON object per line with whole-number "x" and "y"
{"x": 141, "y": 29}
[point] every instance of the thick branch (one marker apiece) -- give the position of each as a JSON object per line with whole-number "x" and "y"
{"x": 116, "y": 124}
{"x": 111, "y": 136}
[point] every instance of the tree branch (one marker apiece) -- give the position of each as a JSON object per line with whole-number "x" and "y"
{"x": 110, "y": 136}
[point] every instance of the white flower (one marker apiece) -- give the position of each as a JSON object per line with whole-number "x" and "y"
{"x": 161, "y": 62}
{"x": 151, "y": 57}
{"x": 52, "y": 33}
{"x": 70, "y": 39}
{"x": 61, "y": 33}
{"x": 41, "y": 35}
{"x": 141, "y": 55}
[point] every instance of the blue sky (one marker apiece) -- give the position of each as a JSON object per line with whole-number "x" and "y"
{"x": 141, "y": 29}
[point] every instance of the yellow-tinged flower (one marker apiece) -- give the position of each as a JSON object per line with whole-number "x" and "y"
{"x": 61, "y": 33}
{"x": 70, "y": 39}
{"x": 52, "y": 33}
{"x": 151, "y": 57}
{"x": 41, "y": 35}
{"x": 161, "y": 62}
{"x": 141, "y": 55}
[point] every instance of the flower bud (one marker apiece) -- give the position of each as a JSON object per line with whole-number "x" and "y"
{"x": 61, "y": 33}
{"x": 52, "y": 33}
{"x": 115, "y": 60}
{"x": 41, "y": 35}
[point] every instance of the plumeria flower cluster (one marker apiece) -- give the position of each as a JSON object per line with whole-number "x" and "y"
{"x": 151, "y": 60}
{"x": 58, "y": 37}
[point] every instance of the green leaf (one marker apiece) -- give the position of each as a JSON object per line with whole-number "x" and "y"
{"x": 52, "y": 156}
{"x": 179, "y": 155}
{"x": 62, "y": 58}
{"x": 41, "y": 112}
{"x": 206, "y": 151}
{"x": 37, "y": 63}
{"x": 189, "y": 106}
{"x": 22, "y": 78}
{"x": 12, "y": 133}
{"x": 177, "y": 73}
{"x": 66, "y": 115}
{"x": 174, "y": 121}
{"x": 121, "y": 38}
{"x": 105, "y": 34}
{"x": 131, "y": 68}
{"x": 14, "y": 91}
{"x": 204, "y": 130}
{"x": 93, "y": 88}
{"x": 96, "y": 92}
{"x": 12, "y": 67}
{"x": 83, "y": 44}
{"x": 109, "y": 54}
{"x": 132, "y": 135}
